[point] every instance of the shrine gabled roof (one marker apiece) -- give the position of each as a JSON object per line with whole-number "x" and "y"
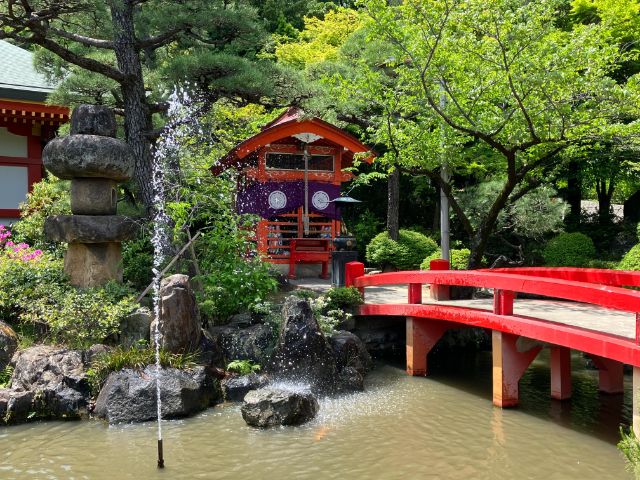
{"x": 19, "y": 80}
{"x": 289, "y": 124}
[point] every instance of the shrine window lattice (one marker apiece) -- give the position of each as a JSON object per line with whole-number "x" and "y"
{"x": 295, "y": 161}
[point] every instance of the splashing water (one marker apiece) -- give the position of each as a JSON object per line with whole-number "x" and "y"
{"x": 165, "y": 149}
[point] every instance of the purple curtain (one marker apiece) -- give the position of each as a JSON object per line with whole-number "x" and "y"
{"x": 271, "y": 199}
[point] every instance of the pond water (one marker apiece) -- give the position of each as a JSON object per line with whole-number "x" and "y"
{"x": 443, "y": 426}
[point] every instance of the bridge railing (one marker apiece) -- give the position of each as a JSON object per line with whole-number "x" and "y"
{"x": 507, "y": 283}
{"x": 614, "y": 278}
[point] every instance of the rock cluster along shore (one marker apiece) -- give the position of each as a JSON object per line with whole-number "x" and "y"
{"x": 53, "y": 382}
{"x": 95, "y": 162}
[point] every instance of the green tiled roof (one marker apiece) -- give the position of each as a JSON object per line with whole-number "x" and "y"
{"x": 18, "y": 78}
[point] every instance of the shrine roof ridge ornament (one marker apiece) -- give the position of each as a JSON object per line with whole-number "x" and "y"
{"x": 292, "y": 124}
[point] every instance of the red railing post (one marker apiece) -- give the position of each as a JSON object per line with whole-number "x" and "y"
{"x": 415, "y": 293}
{"x": 352, "y": 271}
{"x": 439, "y": 292}
{"x": 638, "y": 328}
{"x": 503, "y": 302}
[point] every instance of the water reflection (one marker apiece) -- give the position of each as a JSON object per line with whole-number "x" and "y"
{"x": 400, "y": 428}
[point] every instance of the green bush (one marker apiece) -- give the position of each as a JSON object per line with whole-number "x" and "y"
{"x": 630, "y": 447}
{"x": 343, "y": 298}
{"x": 24, "y": 282}
{"x": 78, "y": 318}
{"x": 459, "y": 259}
{"x": 405, "y": 254}
{"x": 243, "y": 367}
{"x": 137, "y": 262}
{"x": 569, "y": 250}
{"x": 135, "y": 357}
{"x": 233, "y": 281}
{"x": 364, "y": 229}
{"x": 51, "y": 196}
{"x": 631, "y": 261}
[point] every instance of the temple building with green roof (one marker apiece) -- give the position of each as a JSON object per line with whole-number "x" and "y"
{"x": 27, "y": 122}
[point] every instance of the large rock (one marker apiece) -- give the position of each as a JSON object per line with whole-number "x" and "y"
{"x": 135, "y": 327}
{"x": 270, "y": 407}
{"x": 130, "y": 395}
{"x": 180, "y": 329}
{"x": 93, "y": 120}
{"x": 47, "y": 382}
{"x": 235, "y": 387}
{"x": 350, "y": 351}
{"x": 15, "y": 406}
{"x": 8, "y": 344}
{"x": 90, "y": 228}
{"x": 91, "y": 156}
{"x": 302, "y": 353}
{"x": 253, "y": 342}
{"x": 46, "y": 367}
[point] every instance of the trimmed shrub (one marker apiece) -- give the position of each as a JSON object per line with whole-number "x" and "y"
{"x": 459, "y": 259}
{"x": 569, "y": 250}
{"x": 405, "y": 254}
{"x": 343, "y": 297}
{"x": 631, "y": 261}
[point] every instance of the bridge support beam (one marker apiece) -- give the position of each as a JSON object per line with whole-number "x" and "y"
{"x": 422, "y": 335}
{"x": 610, "y": 374}
{"x": 560, "y": 373}
{"x": 508, "y": 366}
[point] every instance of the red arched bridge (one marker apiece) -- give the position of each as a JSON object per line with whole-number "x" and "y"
{"x": 595, "y": 315}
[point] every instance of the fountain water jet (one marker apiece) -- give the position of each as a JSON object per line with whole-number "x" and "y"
{"x": 166, "y": 148}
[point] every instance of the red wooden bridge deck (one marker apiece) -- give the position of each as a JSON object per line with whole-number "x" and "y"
{"x": 587, "y": 310}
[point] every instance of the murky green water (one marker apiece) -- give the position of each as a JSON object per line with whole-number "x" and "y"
{"x": 442, "y": 427}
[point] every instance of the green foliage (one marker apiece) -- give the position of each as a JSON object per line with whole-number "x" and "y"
{"x": 631, "y": 261}
{"x": 5, "y": 376}
{"x": 569, "y": 250}
{"x": 405, "y": 254}
{"x": 533, "y": 215}
{"x": 137, "y": 261}
{"x": 343, "y": 298}
{"x": 234, "y": 281}
{"x": 49, "y": 197}
{"x": 320, "y": 40}
{"x": 364, "y": 229}
{"x": 630, "y": 447}
{"x": 22, "y": 283}
{"x": 459, "y": 259}
{"x": 135, "y": 357}
{"x": 243, "y": 367}
{"x": 79, "y": 318}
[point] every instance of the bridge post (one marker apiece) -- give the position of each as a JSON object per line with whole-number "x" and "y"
{"x": 508, "y": 366}
{"x": 610, "y": 374}
{"x": 353, "y": 270}
{"x": 439, "y": 292}
{"x": 422, "y": 335}
{"x": 415, "y": 293}
{"x": 560, "y": 373}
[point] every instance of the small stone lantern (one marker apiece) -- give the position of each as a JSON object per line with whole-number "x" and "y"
{"x": 95, "y": 162}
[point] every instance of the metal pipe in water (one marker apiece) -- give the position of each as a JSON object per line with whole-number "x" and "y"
{"x": 160, "y": 454}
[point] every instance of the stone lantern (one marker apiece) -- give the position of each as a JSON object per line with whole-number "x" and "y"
{"x": 95, "y": 162}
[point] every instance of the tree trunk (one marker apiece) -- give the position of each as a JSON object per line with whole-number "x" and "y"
{"x": 605, "y": 194}
{"x": 574, "y": 192}
{"x": 480, "y": 239}
{"x": 137, "y": 121}
{"x": 393, "y": 204}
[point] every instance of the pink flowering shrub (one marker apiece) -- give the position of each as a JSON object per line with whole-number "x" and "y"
{"x": 17, "y": 251}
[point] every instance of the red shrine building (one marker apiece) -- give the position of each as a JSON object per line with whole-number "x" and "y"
{"x": 290, "y": 174}
{"x": 26, "y": 124}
